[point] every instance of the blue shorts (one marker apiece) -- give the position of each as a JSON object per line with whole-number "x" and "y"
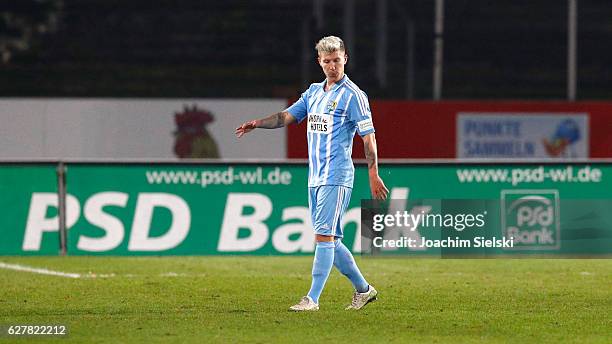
{"x": 327, "y": 204}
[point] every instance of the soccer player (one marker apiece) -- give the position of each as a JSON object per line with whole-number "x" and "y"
{"x": 335, "y": 109}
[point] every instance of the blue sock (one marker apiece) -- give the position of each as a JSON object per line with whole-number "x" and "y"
{"x": 344, "y": 261}
{"x": 321, "y": 266}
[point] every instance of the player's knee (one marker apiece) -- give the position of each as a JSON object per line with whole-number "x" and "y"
{"x": 324, "y": 238}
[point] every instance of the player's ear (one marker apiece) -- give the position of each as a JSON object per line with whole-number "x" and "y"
{"x": 345, "y": 58}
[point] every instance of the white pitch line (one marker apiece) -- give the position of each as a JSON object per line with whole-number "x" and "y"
{"x": 25, "y": 268}
{"x": 18, "y": 267}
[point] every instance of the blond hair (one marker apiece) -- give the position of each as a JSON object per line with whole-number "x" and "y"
{"x": 330, "y": 44}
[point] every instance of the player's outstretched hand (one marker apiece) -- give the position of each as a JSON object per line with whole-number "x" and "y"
{"x": 378, "y": 188}
{"x": 245, "y": 128}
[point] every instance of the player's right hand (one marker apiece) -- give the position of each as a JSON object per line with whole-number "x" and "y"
{"x": 245, "y": 128}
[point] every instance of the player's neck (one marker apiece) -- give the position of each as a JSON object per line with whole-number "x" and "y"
{"x": 330, "y": 83}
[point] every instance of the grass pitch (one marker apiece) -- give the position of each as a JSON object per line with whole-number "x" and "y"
{"x": 245, "y": 299}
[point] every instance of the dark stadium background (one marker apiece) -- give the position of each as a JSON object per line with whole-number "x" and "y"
{"x": 508, "y": 49}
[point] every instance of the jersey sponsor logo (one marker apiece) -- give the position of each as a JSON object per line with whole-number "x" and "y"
{"x": 319, "y": 123}
{"x": 331, "y": 106}
{"x": 365, "y": 125}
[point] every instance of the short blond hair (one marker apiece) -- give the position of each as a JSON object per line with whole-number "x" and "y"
{"x": 330, "y": 44}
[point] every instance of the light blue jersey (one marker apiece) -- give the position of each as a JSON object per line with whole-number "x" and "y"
{"x": 333, "y": 118}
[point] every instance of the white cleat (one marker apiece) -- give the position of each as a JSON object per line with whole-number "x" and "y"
{"x": 306, "y": 304}
{"x": 362, "y": 299}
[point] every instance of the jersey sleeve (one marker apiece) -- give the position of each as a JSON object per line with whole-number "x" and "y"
{"x": 359, "y": 113}
{"x": 298, "y": 109}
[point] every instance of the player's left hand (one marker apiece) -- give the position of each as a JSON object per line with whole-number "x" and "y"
{"x": 378, "y": 188}
{"x": 245, "y": 128}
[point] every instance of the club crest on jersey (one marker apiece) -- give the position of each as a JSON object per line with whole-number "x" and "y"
{"x": 319, "y": 123}
{"x": 331, "y": 106}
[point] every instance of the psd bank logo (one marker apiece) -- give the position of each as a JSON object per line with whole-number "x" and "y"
{"x": 531, "y": 217}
